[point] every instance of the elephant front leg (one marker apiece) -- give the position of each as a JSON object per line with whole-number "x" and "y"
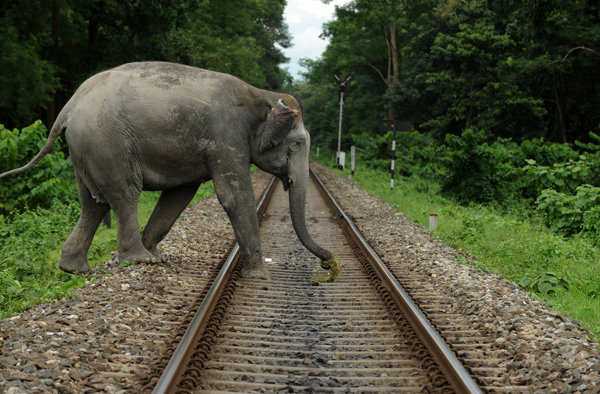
{"x": 236, "y": 195}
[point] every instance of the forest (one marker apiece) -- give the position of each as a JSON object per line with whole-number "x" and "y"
{"x": 50, "y": 47}
{"x": 495, "y": 104}
{"x": 495, "y": 100}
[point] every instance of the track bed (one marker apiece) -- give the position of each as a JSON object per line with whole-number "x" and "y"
{"x": 289, "y": 335}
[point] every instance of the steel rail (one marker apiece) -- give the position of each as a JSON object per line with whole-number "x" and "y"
{"x": 167, "y": 383}
{"x": 457, "y": 375}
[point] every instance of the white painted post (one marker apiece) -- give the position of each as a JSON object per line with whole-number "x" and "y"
{"x": 342, "y": 86}
{"x": 433, "y": 221}
{"x": 339, "y": 141}
{"x": 393, "y": 161}
{"x": 342, "y": 160}
{"x": 352, "y": 160}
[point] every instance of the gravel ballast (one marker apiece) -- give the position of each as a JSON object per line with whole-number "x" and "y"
{"x": 115, "y": 332}
{"x": 543, "y": 350}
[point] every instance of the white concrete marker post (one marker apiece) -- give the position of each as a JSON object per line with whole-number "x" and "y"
{"x": 433, "y": 221}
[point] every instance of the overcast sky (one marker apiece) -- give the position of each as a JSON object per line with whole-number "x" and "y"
{"x": 305, "y": 19}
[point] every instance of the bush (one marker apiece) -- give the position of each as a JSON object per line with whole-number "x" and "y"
{"x": 49, "y": 182}
{"x": 571, "y": 214}
{"x": 561, "y": 176}
{"x": 29, "y": 244}
{"x": 547, "y": 153}
{"x": 416, "y": 153}
{"x": 502, "y": 171}
{"x": 372, "y": 149}
{"x": 474, "y": 170}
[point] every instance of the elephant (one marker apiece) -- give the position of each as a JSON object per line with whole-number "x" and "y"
{"x": 170, "y": 127}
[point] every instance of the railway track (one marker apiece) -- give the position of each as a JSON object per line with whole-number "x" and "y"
{"x": 361, "y": 333}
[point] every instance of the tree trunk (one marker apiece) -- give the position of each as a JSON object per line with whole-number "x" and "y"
{"x": 394, "y": 55}
{"x": 393, "y": 71}
{"x": 561, "y": 120}
{"x": 52, "y": 106}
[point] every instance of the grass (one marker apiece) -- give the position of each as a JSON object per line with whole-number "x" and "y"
{"x": 30, "y": 245}
{"x": 563, "y": 272}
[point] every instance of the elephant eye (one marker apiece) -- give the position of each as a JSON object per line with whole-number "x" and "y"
{"x": 294, "y": 146}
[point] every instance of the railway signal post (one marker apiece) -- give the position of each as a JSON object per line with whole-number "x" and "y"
{"x": 343, "y": 83}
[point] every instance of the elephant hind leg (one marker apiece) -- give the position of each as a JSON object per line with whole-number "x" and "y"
{"x": 168, "y": 208}
{"x": 74, "y": 251}
{"x": 129, "y": 237}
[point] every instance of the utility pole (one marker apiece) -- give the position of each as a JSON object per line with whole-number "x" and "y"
{"x": 343, "y": 83}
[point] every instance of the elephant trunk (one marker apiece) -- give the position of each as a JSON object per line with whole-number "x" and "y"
{"x": 298, "y": 179}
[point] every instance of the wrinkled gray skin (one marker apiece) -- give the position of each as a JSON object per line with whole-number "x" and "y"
{"x": 170, "y": 127}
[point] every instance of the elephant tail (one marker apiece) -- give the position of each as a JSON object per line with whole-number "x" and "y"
{"x": 57, "y": 129}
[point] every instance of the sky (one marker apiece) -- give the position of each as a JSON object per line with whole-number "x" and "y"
{"x": 305, "y": 19}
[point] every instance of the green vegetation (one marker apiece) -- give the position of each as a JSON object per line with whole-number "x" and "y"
{"x": 515, "y": 69}
{"x": 561, "y": 271}
{"x": 51, "y": 182}
{"x": 50, "y": 47}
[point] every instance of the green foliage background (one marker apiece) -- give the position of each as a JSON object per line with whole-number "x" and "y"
{"x": 511, "y": 68}
{"x": 49, "y": 183}
{"x": 50, "y": 47}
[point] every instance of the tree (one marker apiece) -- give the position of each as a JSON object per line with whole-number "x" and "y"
{"x": 449, "y": 65}
{"x": 50, "y": 47}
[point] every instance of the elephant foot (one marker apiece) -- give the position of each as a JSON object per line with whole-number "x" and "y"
{"x": 74, "y": 265}
{"x": 139, "y": 256}
{"x": 256, "y": 271}
{"x": 155, "y": 251}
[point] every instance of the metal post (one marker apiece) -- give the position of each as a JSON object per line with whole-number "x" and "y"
{"x": 393, "y": 161}
{"x": 342, "y": 86}
{"x": 352, "y": 160}
{"x": 339, "y": 141}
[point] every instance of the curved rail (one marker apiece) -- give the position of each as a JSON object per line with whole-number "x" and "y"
{"x": 172, "y": 373}
{"x": 452, "y": 368}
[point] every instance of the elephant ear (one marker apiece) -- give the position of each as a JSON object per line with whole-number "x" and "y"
{"x": 276, "y": 127}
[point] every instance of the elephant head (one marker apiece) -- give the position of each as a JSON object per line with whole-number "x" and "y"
{"x": 281, "y": 147}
